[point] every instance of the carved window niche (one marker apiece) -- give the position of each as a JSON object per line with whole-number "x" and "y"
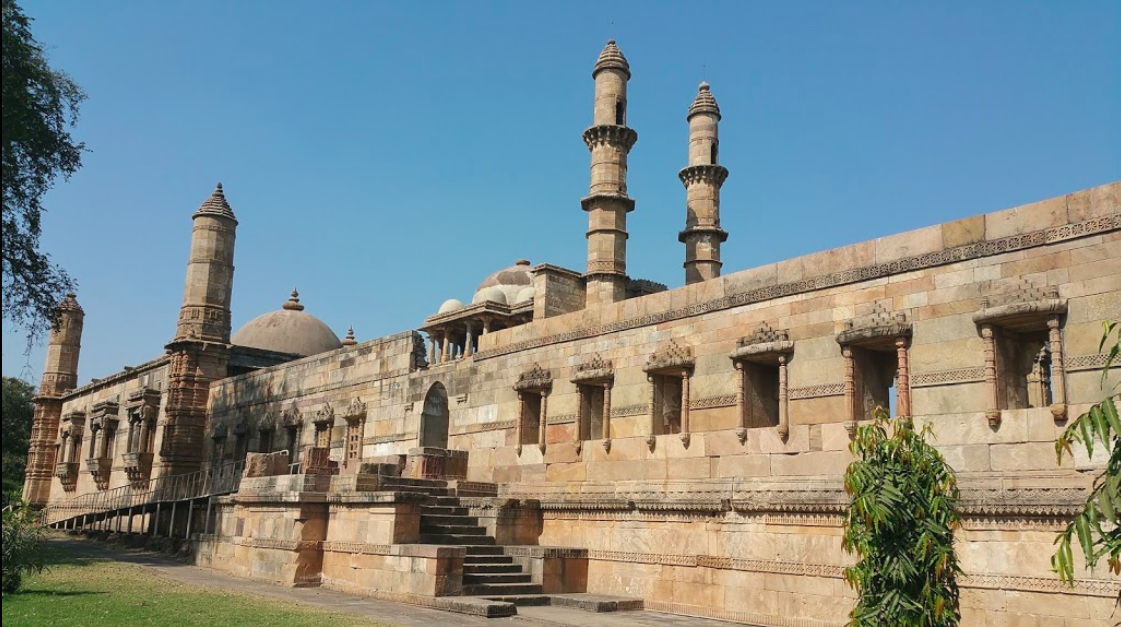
{"x": 668, "y": 370}
{"x": 103, "y": 430}
{"x": 762, "y": 393}
{"x": 533, "y": 387}
{"x": 293, "y": 423}
{"x": 355, "y": 427}
{"x": 877, "y": 363}
{"x": 241, "y": 440}
{"x": 594, "y": 379}
{"x": 1023, "y": 351}
{"x": 323, "y": 421}
{"x": 218, "y": 446}
{"x": 265, "y": 435}
{"x": 142, "y": 411}
{"x": 70, "y": 446}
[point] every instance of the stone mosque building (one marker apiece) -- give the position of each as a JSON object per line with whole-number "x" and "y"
{"x": 568, "y": 433}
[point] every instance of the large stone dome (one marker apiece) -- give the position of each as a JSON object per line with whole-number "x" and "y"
{"x": 289, "y": 330}
{"x": 510, "y": 281}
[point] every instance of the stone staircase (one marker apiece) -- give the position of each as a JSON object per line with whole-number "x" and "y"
{"x": 487, "y": 571}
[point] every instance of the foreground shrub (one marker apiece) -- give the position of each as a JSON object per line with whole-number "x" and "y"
{"x": 23, "y": 545}
{"x": 900, "y": 523}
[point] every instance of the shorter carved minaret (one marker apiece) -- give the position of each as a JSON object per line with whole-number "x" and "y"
{"x": 60, "y": 375}
{"x": 702, "y": 178}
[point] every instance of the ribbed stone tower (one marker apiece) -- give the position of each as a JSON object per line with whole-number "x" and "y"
{"x": 702, "y": 178}
{"x": 200, "y": 350}
{"x": 609, "y": 140}
{"x": 60, "y": 375}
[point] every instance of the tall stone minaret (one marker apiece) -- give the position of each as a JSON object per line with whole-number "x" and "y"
{"x": 200, "y": 350}
{"x": 702, "y": 178}
{"x": 609, "y": 140}
{"x": 60, "y": 375}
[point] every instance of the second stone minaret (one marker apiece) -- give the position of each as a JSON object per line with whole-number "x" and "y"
{"x": 60, "y": 375}
{"x": 200, "y": 350}
{"x": 702, "y": 179}
{"x": 610, "y": 141}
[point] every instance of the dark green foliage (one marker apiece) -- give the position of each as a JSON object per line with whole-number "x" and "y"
{"x": 40, "y": 104}
{"x": 900, "y": 524}
{"x": 1097, "y": 527}
{"x": 18, "y": 412}
{"x": 24, "y": 552}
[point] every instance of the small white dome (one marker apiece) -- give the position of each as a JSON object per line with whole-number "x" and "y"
{"x": 451, "y": 304}
{"x": 524, "y": 295}
{"x": 492, "y": 294}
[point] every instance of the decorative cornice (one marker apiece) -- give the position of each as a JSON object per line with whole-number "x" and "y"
{"x": 844, "y": 277}
{"x": 534, "y": 379}
{"x": 594, "y": 201}
{"x": 670, "y": 356}
{"x": 595, "y": 368}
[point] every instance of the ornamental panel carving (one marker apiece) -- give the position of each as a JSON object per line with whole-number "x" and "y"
{"x": 536, "y": 379}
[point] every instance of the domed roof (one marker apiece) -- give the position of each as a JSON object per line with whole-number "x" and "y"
{"x": 527, "y": 293}
{"x": 450, "y": 304}
{"x": 492, "y": 294}
{"x": 611, "y": 57}
{"x": 510, "y": 281}
{"x": 289, "y": 330}
{"x": 705, "y": 102}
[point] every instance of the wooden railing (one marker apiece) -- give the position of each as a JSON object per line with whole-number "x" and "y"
{"x": 216, "y": 481}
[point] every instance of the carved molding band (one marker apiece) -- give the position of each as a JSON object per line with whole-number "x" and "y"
{"x": 561, "y": 419}
{"x": 488, "y": 426}
{"x": 713, "y": 402}
{"x": 945, "y": 377}
{"x": 817, "y": 391}
{"x": 383, "y": 439}
{"x": 1088, "y": 362}
{"x": 630, "y": 410}
{"x": 844, "y": 277}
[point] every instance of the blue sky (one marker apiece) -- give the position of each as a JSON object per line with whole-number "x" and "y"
{"x": 383, "y": 157}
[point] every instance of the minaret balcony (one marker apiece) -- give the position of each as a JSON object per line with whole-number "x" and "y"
{"x": 707, "y": 173}
{"x": 700, "y": 232}
{"x": 621, "y": 137}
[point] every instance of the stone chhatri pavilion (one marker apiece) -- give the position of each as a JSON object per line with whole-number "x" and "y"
{"x": 585, "y": 432}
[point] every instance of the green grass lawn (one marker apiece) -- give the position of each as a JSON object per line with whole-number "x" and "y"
{"x": 89, "y": 592}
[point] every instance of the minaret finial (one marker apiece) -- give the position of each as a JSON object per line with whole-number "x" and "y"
{"x": 349, "y": 340}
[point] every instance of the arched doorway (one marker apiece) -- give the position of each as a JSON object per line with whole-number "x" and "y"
{"x": 434, "y": 420}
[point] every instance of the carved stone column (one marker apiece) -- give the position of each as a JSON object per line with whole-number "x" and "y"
{"x": 653, "y": 407}
{"x": 1058, "y": 378}
{"x": 544, "y": 420}
{"x": 993, "y": 412}
{"x": 783, "y": 399}
{"x": 431, "y": 349}
{"x": 685, "y": 408}
{"x": 583, "y": 416}
{"x": 470, "y": 339}
{"x": 518, "y": 427}
{"x": 850, "y": 390}
{"x": 903, "y": 379}
{"x": 607, "y": 415}
{"x": 445, "y": 341}
{"x": 741, "y": 409}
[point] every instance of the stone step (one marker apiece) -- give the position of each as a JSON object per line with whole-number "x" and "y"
{"x": 455, "y": 530}
{"x": 448, "y": 519}
{"x": 490, "y": 590}
{"x": 444, "y": 500}
{"x": 456, "y": 539}
{"x": 496, "y": 578}
{"x": 442, "y": 510}
{"x": 598, "y": 603}
{"x": 471, "y": 559}
{"x": 490, "y": 551}
{"x": 478, "y": 569}
{"x": 523, "y": 600}
{"x": 431, "y": 483}
{"x": 415, "y": 489}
